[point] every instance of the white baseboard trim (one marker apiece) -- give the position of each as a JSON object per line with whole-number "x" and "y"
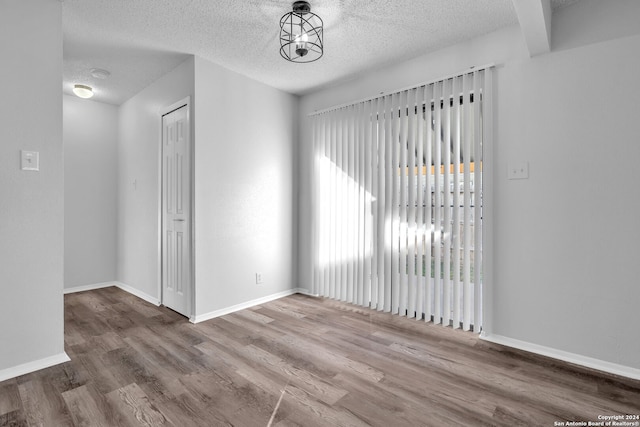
{"x": 36, "y": 365}
{"x": 241, "y": 306}
{"x": 304, "y": 291}
{"x": 88, "y": 287}
{"x": 133, "y": 291}
{"x": 123, "y": 286}
{"x": 566, "y": 356}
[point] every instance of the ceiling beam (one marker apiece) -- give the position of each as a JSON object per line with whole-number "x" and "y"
{"x": 535, "y": 20}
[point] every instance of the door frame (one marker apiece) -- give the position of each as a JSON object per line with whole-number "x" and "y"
{"x": 184, "y": 102}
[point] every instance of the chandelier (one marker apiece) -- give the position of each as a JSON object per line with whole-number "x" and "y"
{"x": 301, "y": 34}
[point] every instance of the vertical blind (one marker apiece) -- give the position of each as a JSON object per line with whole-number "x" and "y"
{"x": 397, "y": 200}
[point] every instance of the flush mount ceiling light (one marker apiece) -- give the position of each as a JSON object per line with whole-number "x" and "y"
{"x": 301, "y": 34}
{"x": 83, "y": 91}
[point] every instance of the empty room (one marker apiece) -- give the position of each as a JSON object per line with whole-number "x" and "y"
{"x": 319, "y": 213}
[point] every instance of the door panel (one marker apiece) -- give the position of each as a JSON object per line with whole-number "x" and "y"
{"x": 176, "y": 215}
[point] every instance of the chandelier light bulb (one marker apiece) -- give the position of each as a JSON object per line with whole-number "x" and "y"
{"x": 301, "y": 44}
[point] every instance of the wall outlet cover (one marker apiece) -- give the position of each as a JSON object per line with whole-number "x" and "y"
{"x": 518, "y": 170}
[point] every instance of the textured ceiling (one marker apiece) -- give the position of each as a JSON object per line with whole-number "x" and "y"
{"x": 140, "y": 40}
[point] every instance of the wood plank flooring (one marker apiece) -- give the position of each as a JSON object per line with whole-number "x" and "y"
{"x": 297, "y": 361}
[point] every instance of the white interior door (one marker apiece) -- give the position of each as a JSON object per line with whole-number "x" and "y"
{"x": 176, "y": 211}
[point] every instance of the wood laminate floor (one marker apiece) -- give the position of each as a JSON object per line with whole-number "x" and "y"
{"x": 297, "y": 361}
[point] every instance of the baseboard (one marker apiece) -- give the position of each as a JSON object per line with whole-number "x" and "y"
{"x": 242, "y": 306}
{"x": 304, "y": 291}
{"x": 565, "y": 356}
{"x": 133, "y": 291}
{"x": 36, "y": 365}
{"x": 88, "y": 287}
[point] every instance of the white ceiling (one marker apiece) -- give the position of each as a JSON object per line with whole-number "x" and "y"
{"x": 139, "y": 41}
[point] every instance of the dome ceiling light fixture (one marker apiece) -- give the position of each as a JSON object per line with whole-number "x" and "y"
{"x": 301, "y": 34}
{"x": 83, "y": 91}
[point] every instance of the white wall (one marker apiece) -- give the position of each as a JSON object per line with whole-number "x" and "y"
{"x": 244, "y": 146}
{"x": 139, "y": 133}
{"x": 31, "y": 203}
{"x": 565, "y": 240}
{"x": 90, "y": 135}
{"x": 594, "y": 21}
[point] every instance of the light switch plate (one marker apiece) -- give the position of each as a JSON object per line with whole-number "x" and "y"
{"x": 518, "y": 170}
{"x": 30, "y": 160}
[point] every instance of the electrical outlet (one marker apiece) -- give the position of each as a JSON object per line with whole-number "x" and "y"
{"x": 258, "y": 278}
{"x": 518, "y": 170}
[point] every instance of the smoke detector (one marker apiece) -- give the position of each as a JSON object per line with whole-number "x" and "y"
{"x": 99, "y": 73}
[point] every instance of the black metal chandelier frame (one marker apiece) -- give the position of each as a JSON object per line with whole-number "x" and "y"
{"x": 295, "y": 25}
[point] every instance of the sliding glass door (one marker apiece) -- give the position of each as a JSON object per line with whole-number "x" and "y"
{"x": 397, "y": 191}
